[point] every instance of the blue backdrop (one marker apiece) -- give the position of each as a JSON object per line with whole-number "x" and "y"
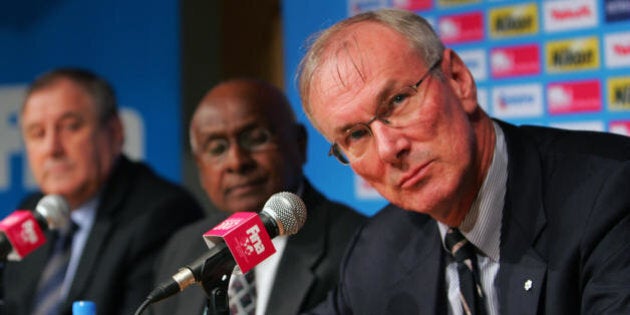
{"x": 134, "y": 44}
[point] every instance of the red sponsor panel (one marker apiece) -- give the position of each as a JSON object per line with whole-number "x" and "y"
{"x": 515, "y": 61}
{"x": 246, "y": 237}
{"x": 621, "y": 127}
{"x": 23, "y": 233}
{"x": 461, "y": 28}
{"x": 574, "y": 97}
{"x": 413, "y": 5}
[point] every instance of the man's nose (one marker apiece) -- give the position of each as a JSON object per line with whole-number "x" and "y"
{"x": 390, "y": 144}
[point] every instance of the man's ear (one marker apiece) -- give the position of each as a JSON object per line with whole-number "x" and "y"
{"x": 460, "y": 79}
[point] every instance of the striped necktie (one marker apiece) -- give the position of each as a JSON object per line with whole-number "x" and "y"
{"x": 242, "y": 294}
{"x": 48, "y": 297}
{"x": 471, "y": 292}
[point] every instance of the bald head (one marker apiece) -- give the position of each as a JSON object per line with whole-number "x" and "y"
{"x": 247, "y": 144}
{"x": 256, "y": 94}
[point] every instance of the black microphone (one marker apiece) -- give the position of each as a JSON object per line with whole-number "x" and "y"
{"x": 22, "y": 231}
{"x": 284, "y": 213}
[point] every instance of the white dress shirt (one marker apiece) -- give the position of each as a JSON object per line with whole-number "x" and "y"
{"x": 482, "y": 227}
{"x": 84, "y": 217}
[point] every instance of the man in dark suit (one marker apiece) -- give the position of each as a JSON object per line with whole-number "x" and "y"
{"x": 248, "y": 146}
{"x": 122, "y": 211}
{"x": 498, "y": 219}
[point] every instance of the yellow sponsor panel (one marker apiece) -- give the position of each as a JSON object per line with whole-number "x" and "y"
{"x": 619, "y": 93}
{"x": 573, "y": 55}
{"x": 450, "y": 3}
{"x": 515, "y": 20}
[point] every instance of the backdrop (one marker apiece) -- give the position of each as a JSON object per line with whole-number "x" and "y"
{"x": 561, "y": 63}
{"x": 131, "y": 43}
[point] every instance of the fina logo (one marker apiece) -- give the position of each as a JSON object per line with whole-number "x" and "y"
{"x": 28, "y": 233}
{"x": 568, "y": 15}
{"x": 254, "y": 243}
{"x": 617, "y": 10}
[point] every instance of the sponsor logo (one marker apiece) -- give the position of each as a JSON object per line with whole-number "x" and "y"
{"x": 617, "y": 10}
{"x": 412, "y": 5}
{"x": 617, "y": 49}
{"x": 358, "y": 6}
{"x": 28, "y": 233}
{"x": 254, "y": 242}
{"x": 619, "y": 93}
{"x": 516, "y": 101}
{"x": 620, "y": 127}
{"x": 594, "y": 125}
{"x": 515, "y": 61}
{"x": 476, "y": 62}
{"x": 514, "y": 20}
{"x": 569, "y": 14}
{"x": 228, "y": 224}
{"x": 574, "y": 97}
{"x": 450, "y": 3}
{"x": 461, "y": 28}
{"x": 572, "y": 55}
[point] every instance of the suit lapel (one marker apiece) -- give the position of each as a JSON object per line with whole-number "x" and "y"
{"x": 303, "y": 250}
{"x": 523, "y": 269}
{"x": 89, "y": 258}
{"x": 422, "y": 265}
{"x": 31, "y": 268}
{"x": 112, "y": 196}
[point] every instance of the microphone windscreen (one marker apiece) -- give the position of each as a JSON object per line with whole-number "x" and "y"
{"x": 288, "y": 210}
{"x": 55, "y": 211}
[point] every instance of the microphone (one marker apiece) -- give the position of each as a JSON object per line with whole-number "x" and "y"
{"x": 284, "y": 213}
{"x": 23, "y": 231}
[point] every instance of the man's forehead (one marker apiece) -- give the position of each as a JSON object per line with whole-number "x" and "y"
{"x": 50, "y": 104}
{"x": 227, "y": 119}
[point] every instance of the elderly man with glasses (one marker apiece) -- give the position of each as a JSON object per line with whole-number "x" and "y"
{"x": 497, "y": 219}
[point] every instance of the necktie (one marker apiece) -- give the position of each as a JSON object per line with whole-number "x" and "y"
{"x": 471, "y": 292}
{"x": 242, "y": 294}
{"x": 48, "y": 297}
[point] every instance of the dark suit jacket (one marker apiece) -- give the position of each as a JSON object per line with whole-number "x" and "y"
{"x": 565, "y": 227}
{"x": 308, "y": 268}
{"x": 138, "y": 212}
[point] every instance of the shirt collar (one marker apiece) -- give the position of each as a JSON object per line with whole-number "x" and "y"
{"x": 482, "y": 224}
{"x": 85, "y": 214}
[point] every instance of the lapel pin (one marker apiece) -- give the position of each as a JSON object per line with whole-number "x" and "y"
{"x": 528, "y": 285}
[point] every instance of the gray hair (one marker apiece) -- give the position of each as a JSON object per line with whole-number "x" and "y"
{"x": 411, "y": 26}
{"x": 98, "y": 88}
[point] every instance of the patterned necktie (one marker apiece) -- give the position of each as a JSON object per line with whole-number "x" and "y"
{"x": 48, "y": 297}
{"x": 471, "y": 292}
{"x": 242, "y": 294}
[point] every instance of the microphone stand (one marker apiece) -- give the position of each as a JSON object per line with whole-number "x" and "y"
{"x": 215, "y": 277}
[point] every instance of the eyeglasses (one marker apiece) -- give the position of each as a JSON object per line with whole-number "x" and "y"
{"x": 251, "y": 140}
{"x": 394, "y": 112}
